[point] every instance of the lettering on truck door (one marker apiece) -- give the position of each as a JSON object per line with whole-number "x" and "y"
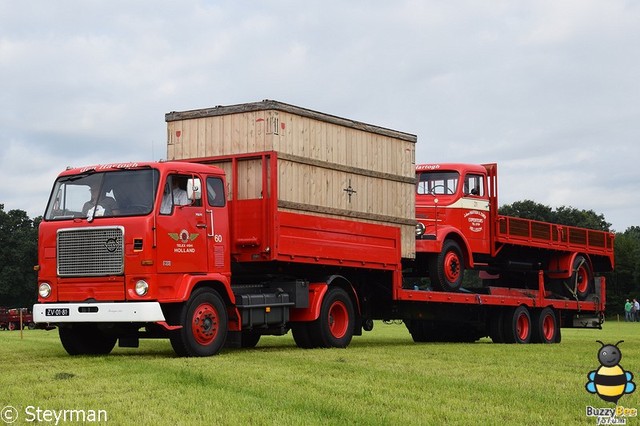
{"x": 181, "y": 226}
{"x": 475, "y": 206}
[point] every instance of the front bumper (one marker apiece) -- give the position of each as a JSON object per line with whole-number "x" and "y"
{"x": 97, "y": 312}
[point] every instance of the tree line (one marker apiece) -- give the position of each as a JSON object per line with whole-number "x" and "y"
{"x": 19, "y": 253}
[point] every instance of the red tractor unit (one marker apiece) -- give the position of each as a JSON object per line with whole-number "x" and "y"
{"x": 268, "y": 218}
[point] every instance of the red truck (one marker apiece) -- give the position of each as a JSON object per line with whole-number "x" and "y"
{"x": 10, "y": 319}
{"x": 272, "y": 218}
{"x": 459, "y": 227}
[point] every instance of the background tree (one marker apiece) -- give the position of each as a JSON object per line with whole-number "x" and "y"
{"x": 624, "y": 281}
{"x": 18, "y": 255}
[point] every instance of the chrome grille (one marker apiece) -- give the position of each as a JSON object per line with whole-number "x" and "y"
{"x": 90, "y": 252}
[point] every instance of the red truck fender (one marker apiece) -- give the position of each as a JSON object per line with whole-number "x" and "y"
{"x": 443, "y": 233}
{"x": 188, "y": 283}
{"x": 316, "y": 295}
{"x": 561, "y": 265}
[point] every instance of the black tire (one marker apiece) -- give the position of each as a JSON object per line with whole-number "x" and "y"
{"x": 302, "y": 335}
{"x": 86, "y": 339}
{"x": 516, "y": 325}
{"x": 496, "y": 326}
{"x": 204, "y": 325}
{"x": 545, "y": 326}
{"x": 249, "y": 339}
{"x": 419, "y": 331}
{"x": 334, "y": 328}
{"x": 446, "y": 269}
{"x": 582, "y": 279}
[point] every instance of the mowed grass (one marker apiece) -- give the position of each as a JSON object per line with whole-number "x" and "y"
{"x": 383, "y": 378}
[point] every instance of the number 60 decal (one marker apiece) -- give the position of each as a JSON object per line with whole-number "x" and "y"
{"x": 217, "y": 238}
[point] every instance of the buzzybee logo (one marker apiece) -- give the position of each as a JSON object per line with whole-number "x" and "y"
{"x": 610, "y": 381}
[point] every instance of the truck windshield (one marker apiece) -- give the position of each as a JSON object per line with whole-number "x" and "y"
{"x": 105, "y": 194}
{"x": 437, "y": 183}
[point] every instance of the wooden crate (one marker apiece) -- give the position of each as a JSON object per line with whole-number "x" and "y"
{"x": 327, "y": 165}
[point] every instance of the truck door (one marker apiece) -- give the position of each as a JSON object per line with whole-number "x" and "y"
{"x": 181, "y": 226}
{"x": 475, "y": 205}
{"x": 217, "y": 220}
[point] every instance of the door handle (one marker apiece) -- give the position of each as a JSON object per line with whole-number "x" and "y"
{"x": 201, "y": 225}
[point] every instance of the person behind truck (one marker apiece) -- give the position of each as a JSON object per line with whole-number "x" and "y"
{"x": 627, "y": 310}
{"x": 106, "y": 202}
{"x": 177, "y": 194}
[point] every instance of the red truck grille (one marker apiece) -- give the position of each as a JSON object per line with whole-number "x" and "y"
{"x": 90, "y": 252}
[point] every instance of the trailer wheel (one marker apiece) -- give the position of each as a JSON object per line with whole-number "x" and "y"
{"x": 249, "y": 339}
{"x": 446, "y": 269}
{"x": 334, "y": 327}
{"x": 582, "y": 280}
{"x": 302, "y": 335}
{"x": 545, "y": 326}
{"x": 496, "y": 325}
{"x": 86, "y": 339}
{"x": 418, "y": 330}
{"x": 517, "y": 326}
{"x": 204, "y": 325}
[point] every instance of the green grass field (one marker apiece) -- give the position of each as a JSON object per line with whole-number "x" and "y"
{"x": 382, "y": 378}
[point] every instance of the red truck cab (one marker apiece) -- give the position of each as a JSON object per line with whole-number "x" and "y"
{"x": 120, "y": 243}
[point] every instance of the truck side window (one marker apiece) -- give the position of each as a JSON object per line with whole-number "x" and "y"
{"x": 474, "y": 185}
{"x": 215, "y": 192}
{"x": 174, "y": 194}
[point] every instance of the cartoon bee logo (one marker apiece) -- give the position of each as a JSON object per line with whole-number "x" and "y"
{"x": 610, "y": 381}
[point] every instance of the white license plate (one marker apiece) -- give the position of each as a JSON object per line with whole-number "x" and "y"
{"x": 56, "y": 312}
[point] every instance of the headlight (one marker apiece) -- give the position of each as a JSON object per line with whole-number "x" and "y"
{"x": 420, "y": 229}
{"x": 44, "y": 290}
{"x": 142, "y": 287}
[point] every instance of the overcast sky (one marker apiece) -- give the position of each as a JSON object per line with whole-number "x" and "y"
{"x": 549, "y": 90}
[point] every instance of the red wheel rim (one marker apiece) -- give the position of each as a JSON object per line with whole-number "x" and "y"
{"x": 204, "y": 324}
{"x": 338, "y": 319}
{"x": 582, "y": 279}
{"x": 548, "y": 327}
{"x": 451, "y": 266}
{"x": 523, "y": 327}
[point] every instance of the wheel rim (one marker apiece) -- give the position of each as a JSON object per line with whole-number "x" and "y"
{"x": 204, "y": 324}
{"x": 582, "y": 279}
{"x": 451, "y": 266}
{"x": 523, "y": 327}
{"x": 548, "y": 327}
{"x": 338, "y": 319}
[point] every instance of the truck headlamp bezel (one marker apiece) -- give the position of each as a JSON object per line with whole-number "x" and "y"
{"x": 420, "y": 229}
{"x": 44, "y": 290}
{"x": 141, "y": 288}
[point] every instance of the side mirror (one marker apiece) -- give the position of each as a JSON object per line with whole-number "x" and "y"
{"x": 194, "y": 189}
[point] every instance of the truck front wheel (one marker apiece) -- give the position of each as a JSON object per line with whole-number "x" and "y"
{"x": 204, "y": 325}
{"x": 446, "y": 269}
{"x": 86, "y": 339}
{"x": 334, "y": 327}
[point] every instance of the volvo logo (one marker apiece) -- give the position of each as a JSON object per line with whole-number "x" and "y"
{"x": 111, "y": 245}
